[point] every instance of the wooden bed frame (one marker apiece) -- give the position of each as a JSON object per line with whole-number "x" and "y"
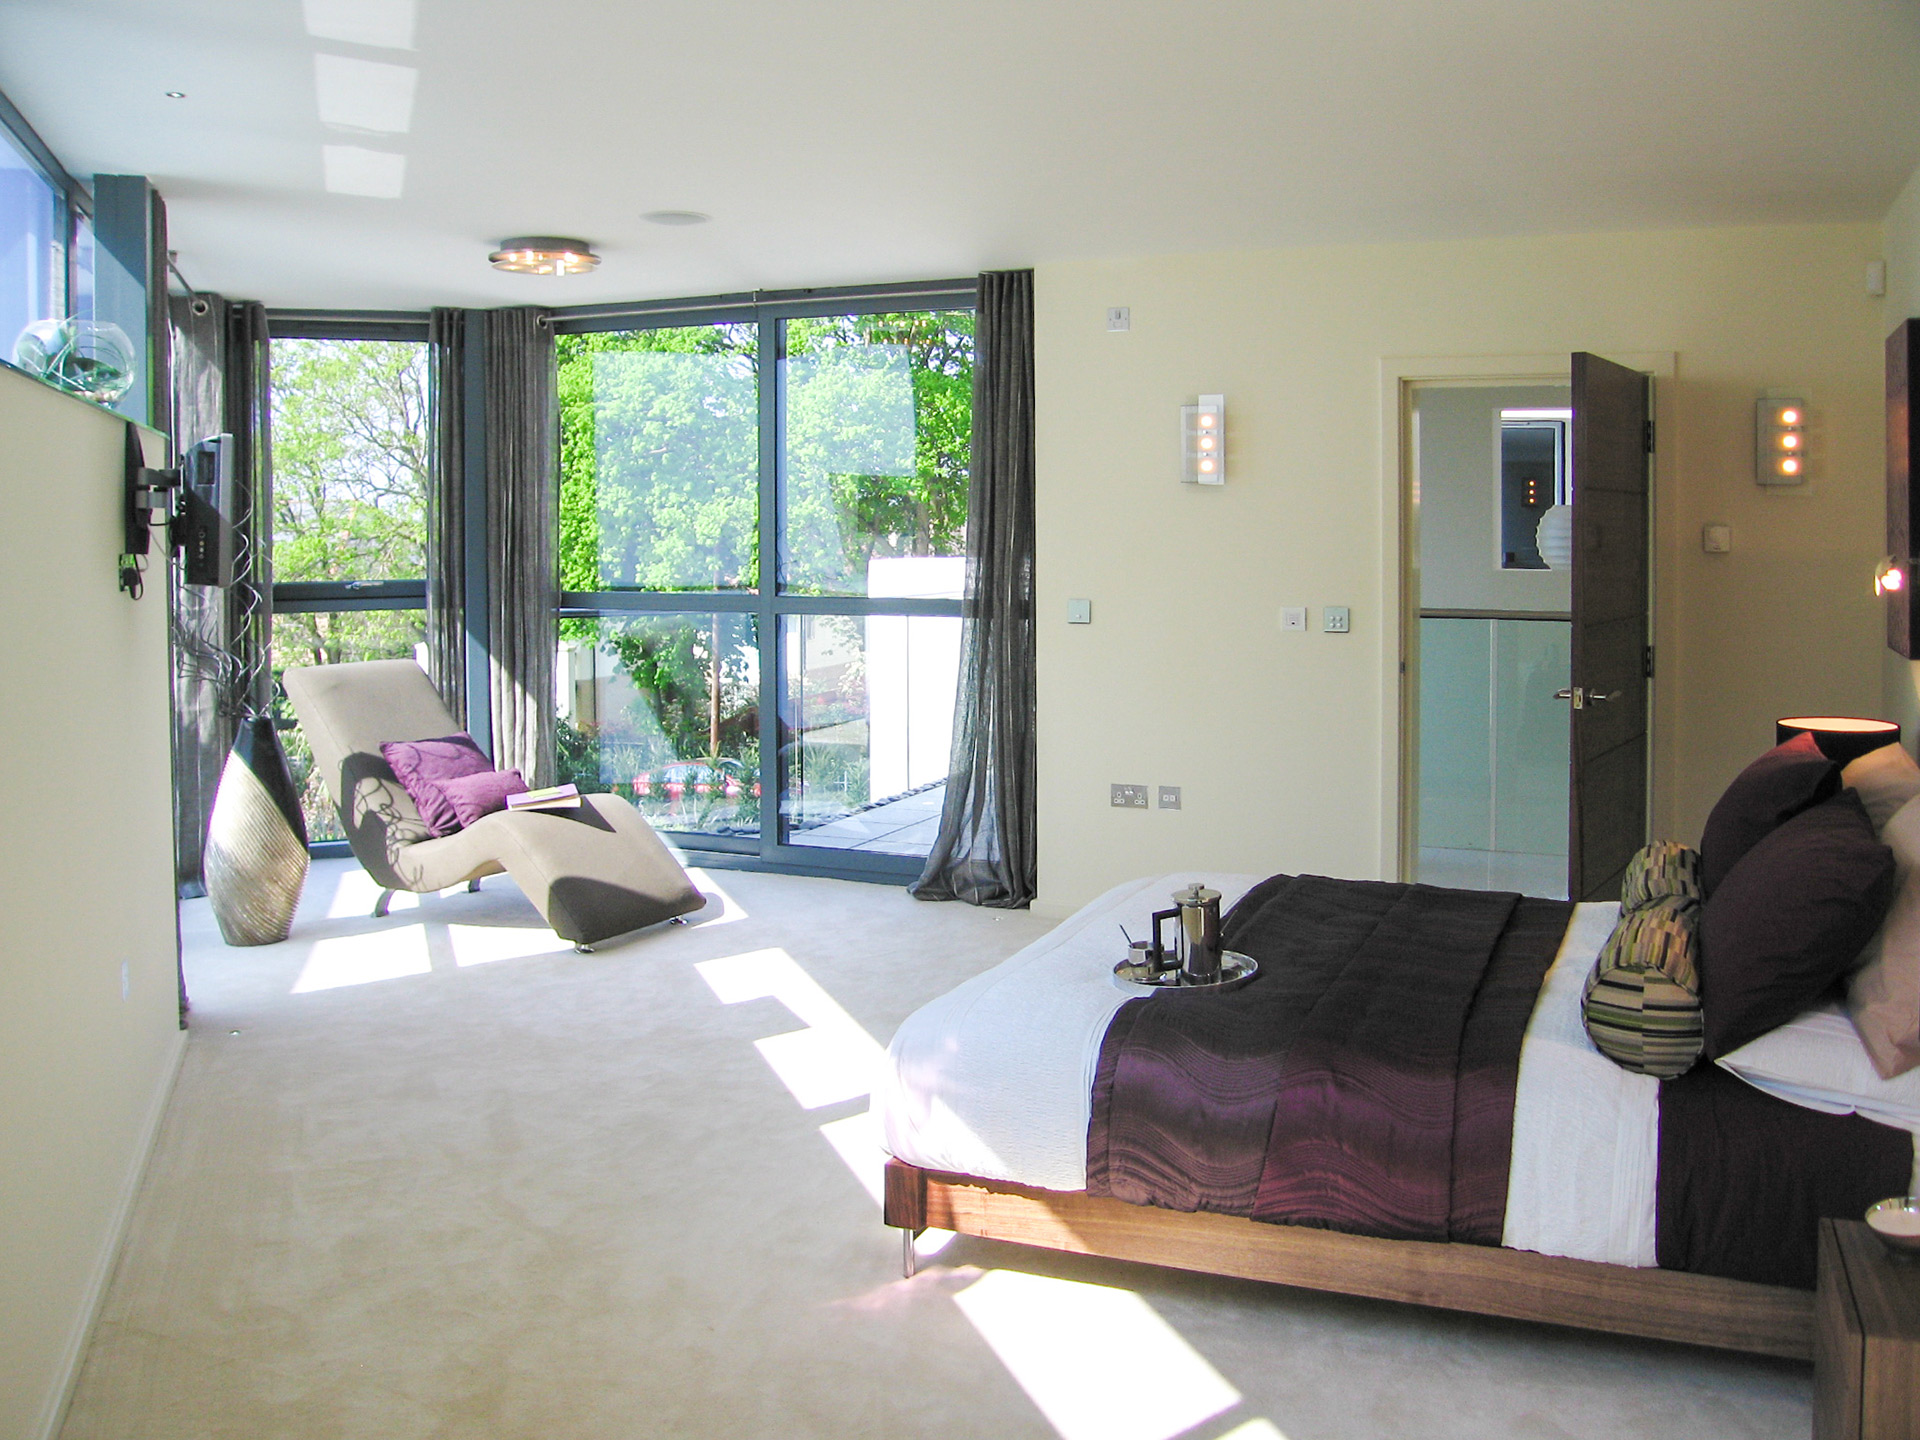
{"x": 1482, "y": 1279}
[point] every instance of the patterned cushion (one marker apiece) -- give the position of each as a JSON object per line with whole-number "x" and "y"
{"x": 1664, "y": 869}
{"x": 1642, "y": 1004}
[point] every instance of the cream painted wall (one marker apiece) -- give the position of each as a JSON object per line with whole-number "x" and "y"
{"x": 1280, "y": 740}
{"x": 1901, "y": 246}
{"x": 87, "y": 965}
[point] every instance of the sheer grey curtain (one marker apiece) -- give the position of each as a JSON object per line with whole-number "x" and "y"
{"x": 222, "y": 638}
{"x": 447, "y": 508}
{"x": 986, "y": 853}
{"x": 522, "y": 538}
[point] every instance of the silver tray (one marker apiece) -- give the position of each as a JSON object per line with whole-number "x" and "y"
{"x": 1235, "y": 970}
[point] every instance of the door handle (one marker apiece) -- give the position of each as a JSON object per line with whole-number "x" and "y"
{"x": 1594, "y": 697}
{"x": 1573, "y": 693}
{"x": 1583, "y": 698}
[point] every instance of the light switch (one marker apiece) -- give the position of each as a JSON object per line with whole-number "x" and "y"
{"x": 1293, "y": 617}
{"x": 1716, "y": 539}
{"x": 1119, "y": 317}
{"x": 1169, "y": 797}
{"x": 1336, "y": 619}
{"x": 1079, "y": 612}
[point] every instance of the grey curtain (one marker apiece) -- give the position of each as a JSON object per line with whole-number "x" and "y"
{"x": 986, "y": 852}
{"x": 447, "y": 509}
{"x": 221, "y": 638}
{"x": 522, "y": 538}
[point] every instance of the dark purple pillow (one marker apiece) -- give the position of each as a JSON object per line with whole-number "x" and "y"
{"x": 1790, "y": 919}
{"x": 1791, "y": 777}
{"x": 481, "y": 793}
{"x": 423, "y": 766}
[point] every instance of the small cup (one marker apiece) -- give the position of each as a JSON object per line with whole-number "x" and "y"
{"x": 1897, "y": 1224}
{"x": 1140, "y": 955}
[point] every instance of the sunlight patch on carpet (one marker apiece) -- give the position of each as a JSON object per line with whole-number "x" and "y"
{"x": 1067, "y": 1343}
{"x": 343, "y": 960}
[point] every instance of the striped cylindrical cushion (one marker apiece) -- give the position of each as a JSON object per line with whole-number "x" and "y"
{"x": 1664, "y": 869}
{"x": 1642, "y": 1005}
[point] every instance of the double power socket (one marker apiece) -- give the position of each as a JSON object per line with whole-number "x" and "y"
{"x": 1134, "y": 797}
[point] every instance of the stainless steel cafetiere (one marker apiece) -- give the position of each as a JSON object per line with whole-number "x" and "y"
{"x": 1196, "y": 914}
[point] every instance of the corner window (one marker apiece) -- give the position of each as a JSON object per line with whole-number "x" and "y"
{"x": 762, "y": 552}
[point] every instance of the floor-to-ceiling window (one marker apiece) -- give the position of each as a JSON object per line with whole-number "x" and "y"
{"x": 350, "y": 467}
{"x": 762, "y": 541}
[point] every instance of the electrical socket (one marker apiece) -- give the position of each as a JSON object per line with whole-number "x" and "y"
{"x": 1119, "y": 317}
{"x": 1169, "y": 797}
{"x": 1293, "y": 617}
{"x": 1128, "y": 797}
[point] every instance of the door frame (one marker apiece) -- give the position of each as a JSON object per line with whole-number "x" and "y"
{"x": 1399, "y": 758}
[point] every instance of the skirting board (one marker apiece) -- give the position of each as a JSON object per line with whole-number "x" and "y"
{"x": 60, "y": 1393}
{"x": 1482, "y": 1279}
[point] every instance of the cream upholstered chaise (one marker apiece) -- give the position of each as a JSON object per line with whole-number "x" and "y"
{"x": 594, "y": 872}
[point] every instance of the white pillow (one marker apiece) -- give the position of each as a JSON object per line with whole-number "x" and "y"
{"x": 1817, "y": 1060}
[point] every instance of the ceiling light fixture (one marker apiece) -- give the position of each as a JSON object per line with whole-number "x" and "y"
{"x": 176, "y": 94}
{"x": 676, "y": 217}
{"x": 544, "y": 255}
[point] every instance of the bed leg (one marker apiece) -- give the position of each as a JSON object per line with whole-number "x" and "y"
{"x": 909, "y": 1262}
{"x": 380, "y": 905}
{"x": 473, "y": 886}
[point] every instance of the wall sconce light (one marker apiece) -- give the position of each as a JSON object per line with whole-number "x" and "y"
{"x": 1204, "y": 430}
{"x": 1780, "y": 441}
{"x": 1889, "y": 576}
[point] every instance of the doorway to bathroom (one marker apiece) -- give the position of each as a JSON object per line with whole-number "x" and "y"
{"x": 1493, "y": 493}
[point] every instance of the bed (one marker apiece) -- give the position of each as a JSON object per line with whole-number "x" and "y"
{"x": 991, "y": 1102}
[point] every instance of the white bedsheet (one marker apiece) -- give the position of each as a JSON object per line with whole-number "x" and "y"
{"x": 995, "y": 1078}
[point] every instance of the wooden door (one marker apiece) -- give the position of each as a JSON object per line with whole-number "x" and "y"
{"x": 1611, "y": 440}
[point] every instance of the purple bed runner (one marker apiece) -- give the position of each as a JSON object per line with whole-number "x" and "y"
{"x": 1364, "y": 1082}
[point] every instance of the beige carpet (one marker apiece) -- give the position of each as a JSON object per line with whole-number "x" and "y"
{"x": 438, "y": 1176}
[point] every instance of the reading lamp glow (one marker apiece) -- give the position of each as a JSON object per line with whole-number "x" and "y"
{"x": 1888, "y": 577}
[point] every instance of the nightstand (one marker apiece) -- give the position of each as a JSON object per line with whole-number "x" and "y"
{"x": 1866, "y": 1338}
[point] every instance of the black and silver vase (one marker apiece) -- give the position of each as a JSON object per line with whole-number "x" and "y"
{"x": 256, "y": 854}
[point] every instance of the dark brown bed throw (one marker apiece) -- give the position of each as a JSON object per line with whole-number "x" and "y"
{"x": 1363, "y": 1082}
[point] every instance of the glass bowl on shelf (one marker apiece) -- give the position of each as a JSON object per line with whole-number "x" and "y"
{"x": 93, "y": 359}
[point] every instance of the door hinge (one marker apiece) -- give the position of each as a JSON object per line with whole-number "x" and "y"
{"x": 1649, "y": 437}
{"x": 1647, "y": 668}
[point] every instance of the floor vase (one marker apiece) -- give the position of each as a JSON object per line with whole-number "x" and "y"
{"x": 256, "y": 854}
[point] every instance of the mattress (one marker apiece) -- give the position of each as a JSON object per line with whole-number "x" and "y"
{"x": 994, "y": 1079}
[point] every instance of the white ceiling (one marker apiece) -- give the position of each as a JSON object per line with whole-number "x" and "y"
{"x": 849, "y": 141}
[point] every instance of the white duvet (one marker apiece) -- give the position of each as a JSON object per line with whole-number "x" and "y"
{"x": 995, "y": 1079}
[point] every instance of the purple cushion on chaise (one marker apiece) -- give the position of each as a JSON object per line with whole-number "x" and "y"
{"x": 481, "y": 793}
{"x": 423, "y": 766}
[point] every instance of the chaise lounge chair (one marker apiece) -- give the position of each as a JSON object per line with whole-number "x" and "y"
{"x": 594, "y": 872}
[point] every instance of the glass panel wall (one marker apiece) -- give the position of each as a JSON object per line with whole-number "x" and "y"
{"x": 1494, "y": 753}
{"x": 684, "y": 661}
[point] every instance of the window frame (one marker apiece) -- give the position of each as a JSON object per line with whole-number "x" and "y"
{"x": 309, "y": 597}
{"x": 73, "y": 202}
{"x": 767, "y": 603}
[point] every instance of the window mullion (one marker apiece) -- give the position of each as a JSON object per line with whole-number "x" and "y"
{"x": 771, "y": 376}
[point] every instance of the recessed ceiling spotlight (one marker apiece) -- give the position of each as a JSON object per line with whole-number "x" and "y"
{"x": 676, "y": 217}
{"x": 544, "y": 255}
{"x": 176, "y": 94}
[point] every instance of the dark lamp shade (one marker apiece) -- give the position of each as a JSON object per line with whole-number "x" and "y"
{"x": 1841, "y": 738}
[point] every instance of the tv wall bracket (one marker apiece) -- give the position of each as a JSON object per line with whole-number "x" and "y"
{"x": 190, "y": 502}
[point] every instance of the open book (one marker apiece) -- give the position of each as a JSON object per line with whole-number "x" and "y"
{"x": 551, "y": 797}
